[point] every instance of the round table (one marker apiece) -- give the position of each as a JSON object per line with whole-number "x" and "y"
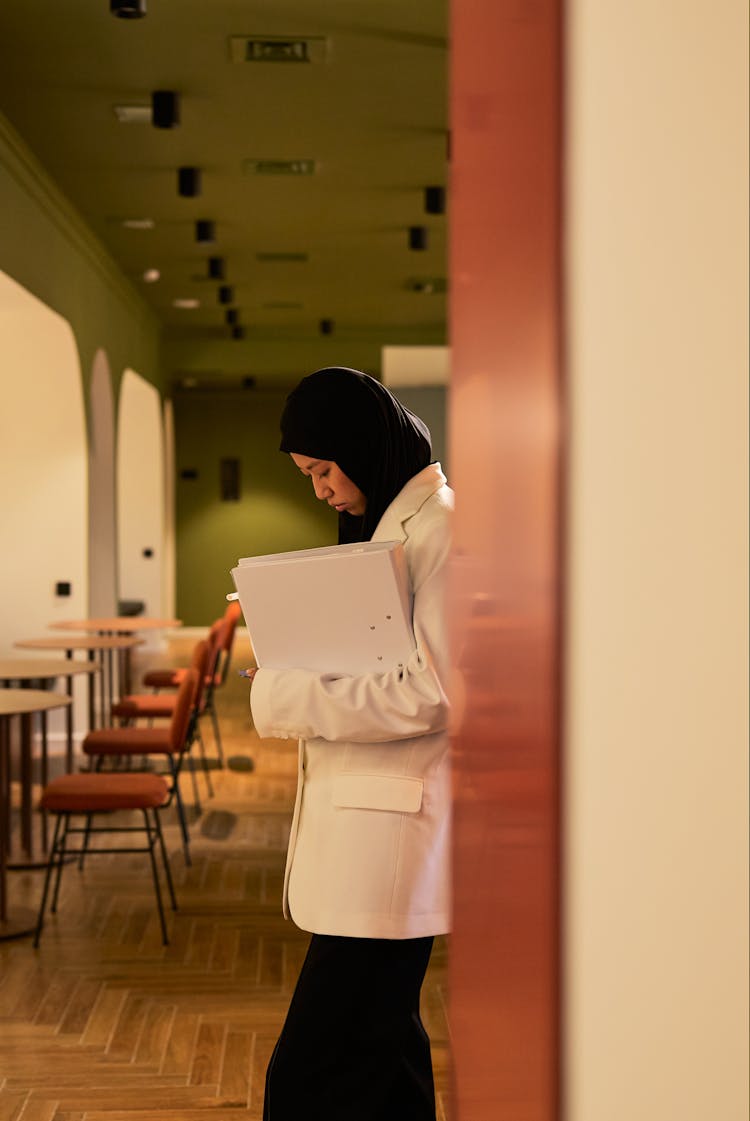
{"x": 105, "y": 645}
{"x": 23, "y": 703}
{"x": 40, "y": 670}
{"x": 118, "y": 625}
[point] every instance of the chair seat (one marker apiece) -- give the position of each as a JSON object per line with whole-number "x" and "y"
{"x": 164, "y": 678}
{"x": 97, "y": 792}
{"x": 142, "y": 705}
{"x": 128, "y": 741}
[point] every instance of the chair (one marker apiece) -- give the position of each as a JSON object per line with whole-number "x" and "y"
{"x": 92, "y": 794}
{"x": 221, "y": 636}
{"x": 172, "y": 742}
{"x": 156, "y": 706}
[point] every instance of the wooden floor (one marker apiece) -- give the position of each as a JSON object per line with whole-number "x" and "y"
{"x": 103, "y": 1023}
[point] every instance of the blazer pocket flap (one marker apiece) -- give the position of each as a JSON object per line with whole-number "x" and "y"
{"x": 378, "y": 792}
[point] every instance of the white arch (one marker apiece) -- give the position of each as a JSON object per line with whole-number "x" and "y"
{"x": 102, "y": 533}
{"x": 42, "y": 468}
{"x": 140, "y": 493}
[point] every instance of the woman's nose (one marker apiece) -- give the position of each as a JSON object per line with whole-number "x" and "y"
{"x": 322, "y": 489}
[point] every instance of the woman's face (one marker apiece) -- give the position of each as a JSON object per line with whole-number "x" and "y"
{"x": 331, "y": 485}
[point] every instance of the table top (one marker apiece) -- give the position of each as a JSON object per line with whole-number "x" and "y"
{"x": 120, "y": 624}
{"x": 17, "y": 669}
{"x": 80, "y": 642}
{"x": 15, "y": 702}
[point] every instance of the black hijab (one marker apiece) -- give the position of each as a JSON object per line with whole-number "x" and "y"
{"x": 353, "y": 420}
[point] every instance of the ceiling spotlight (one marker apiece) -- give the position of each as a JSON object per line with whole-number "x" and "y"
{"x": 238, "y": 332}
{"x": 128, "y": 9}
{"x": 434, "y": 200}
{"x": 165, "y": 108}
{"x": 151, "y": 276}
{"x": 417, "y": 237}
{"x": 326, "y": 326}
{"x": 216, "y": 268}
{"x": 205, "y": 231}
{"x": 232, "y": 316}
{"x": 187, "y": 303}
{"x": 189, "y": 182}
{"x": 138, "y": 223}
{"x": 226, "y": 294}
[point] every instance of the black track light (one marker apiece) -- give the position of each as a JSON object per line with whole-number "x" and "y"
{"x": 434, "y": 200}
{"x": 238, "y": 332}
{"x": 326, "y": 326}
{"x": 165, "y": 109}
{"x": 226, "y": 294}
{"x": 216, "y": 268}
{"x": 232, "y": 316}
{"x": 417, "y": 237}
{"x": 189, "y": 182}
{"x": 128, "y": 9}
{"x": 205, "y": 231}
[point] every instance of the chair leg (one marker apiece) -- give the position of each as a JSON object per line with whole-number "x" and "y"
{"x": 47, "y": 878}
{"x": 217, "y": 733}
{"x": 165, "y": 859}
{"x": 194, "y": 780}
{"x": 204, "y": 760}
{"x": 175, "y": 772}
{"x": 61, "y": 853}
{"x": 151, "y": 838}
{"x": 85, "y": 842}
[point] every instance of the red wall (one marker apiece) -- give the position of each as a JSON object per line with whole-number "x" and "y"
{"x": 505, "y": 467}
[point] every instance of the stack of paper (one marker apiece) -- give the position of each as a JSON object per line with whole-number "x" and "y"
{"x": 343, "y": 609}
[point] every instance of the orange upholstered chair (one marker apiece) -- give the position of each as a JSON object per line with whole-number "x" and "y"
{"x": 103, "y": 794}
{"x": 170, "y": 742}
{"x": 221, "y": 637}
{"x": 155, "y": 706}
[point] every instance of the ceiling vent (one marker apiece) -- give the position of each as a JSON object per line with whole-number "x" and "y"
{"x": 281, "y": 256}
{"x": 279, "y": 167}
{"x": 276, "y": 48}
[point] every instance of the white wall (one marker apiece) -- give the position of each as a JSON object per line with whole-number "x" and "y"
{"x": 656, "y": 901}
{"x": 42, "y": 468}
{"x": 140, "y": 493}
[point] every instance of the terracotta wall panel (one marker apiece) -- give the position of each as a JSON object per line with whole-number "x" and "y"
{"x": 505, "y": 457}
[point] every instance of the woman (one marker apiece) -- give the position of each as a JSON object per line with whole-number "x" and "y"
{"x": 365, "y": 875}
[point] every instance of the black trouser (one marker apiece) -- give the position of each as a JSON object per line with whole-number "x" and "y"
{"x": 353, "y": 1047}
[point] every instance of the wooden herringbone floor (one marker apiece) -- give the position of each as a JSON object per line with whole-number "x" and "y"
{"x": 103, "y": 1023}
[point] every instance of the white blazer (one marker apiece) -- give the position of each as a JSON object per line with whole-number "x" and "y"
{"x": 370, "y": 841}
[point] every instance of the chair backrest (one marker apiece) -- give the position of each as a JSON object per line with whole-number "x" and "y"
{"x": 201, "y": 661}
{"x": 216, "y": 642}
{"x": 184, "y": 708}
{"x": 231, "y": 619}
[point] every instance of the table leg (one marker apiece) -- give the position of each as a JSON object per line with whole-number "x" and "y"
{"x": 91, "y": 676}
{"x": 4, "y": 812}
{"x": 45, "y": 779}
{"x": 26, "y": 777}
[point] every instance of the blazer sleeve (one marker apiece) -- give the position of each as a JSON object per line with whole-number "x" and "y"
{"x": 373, "y": 708}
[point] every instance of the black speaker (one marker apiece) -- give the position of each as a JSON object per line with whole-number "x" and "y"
{"x": 216, "y": 268}
{"x": 326, "y": 326}
{"x": 238, "y": 332}
{"x": 189, "y": 182}
{"x": 226, "y": 294}
{"x": 165, "y": 109}
{"x": 434, "y": 200}
{"x": 417, "y": 237}
{"x": 205, "y": 231}
{"x": 232, "y": 316}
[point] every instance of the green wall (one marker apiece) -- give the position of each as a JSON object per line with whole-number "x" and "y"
{"x": 277, "y": 509}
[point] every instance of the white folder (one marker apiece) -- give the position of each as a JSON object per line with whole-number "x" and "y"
{"x": 342, "y": 609}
